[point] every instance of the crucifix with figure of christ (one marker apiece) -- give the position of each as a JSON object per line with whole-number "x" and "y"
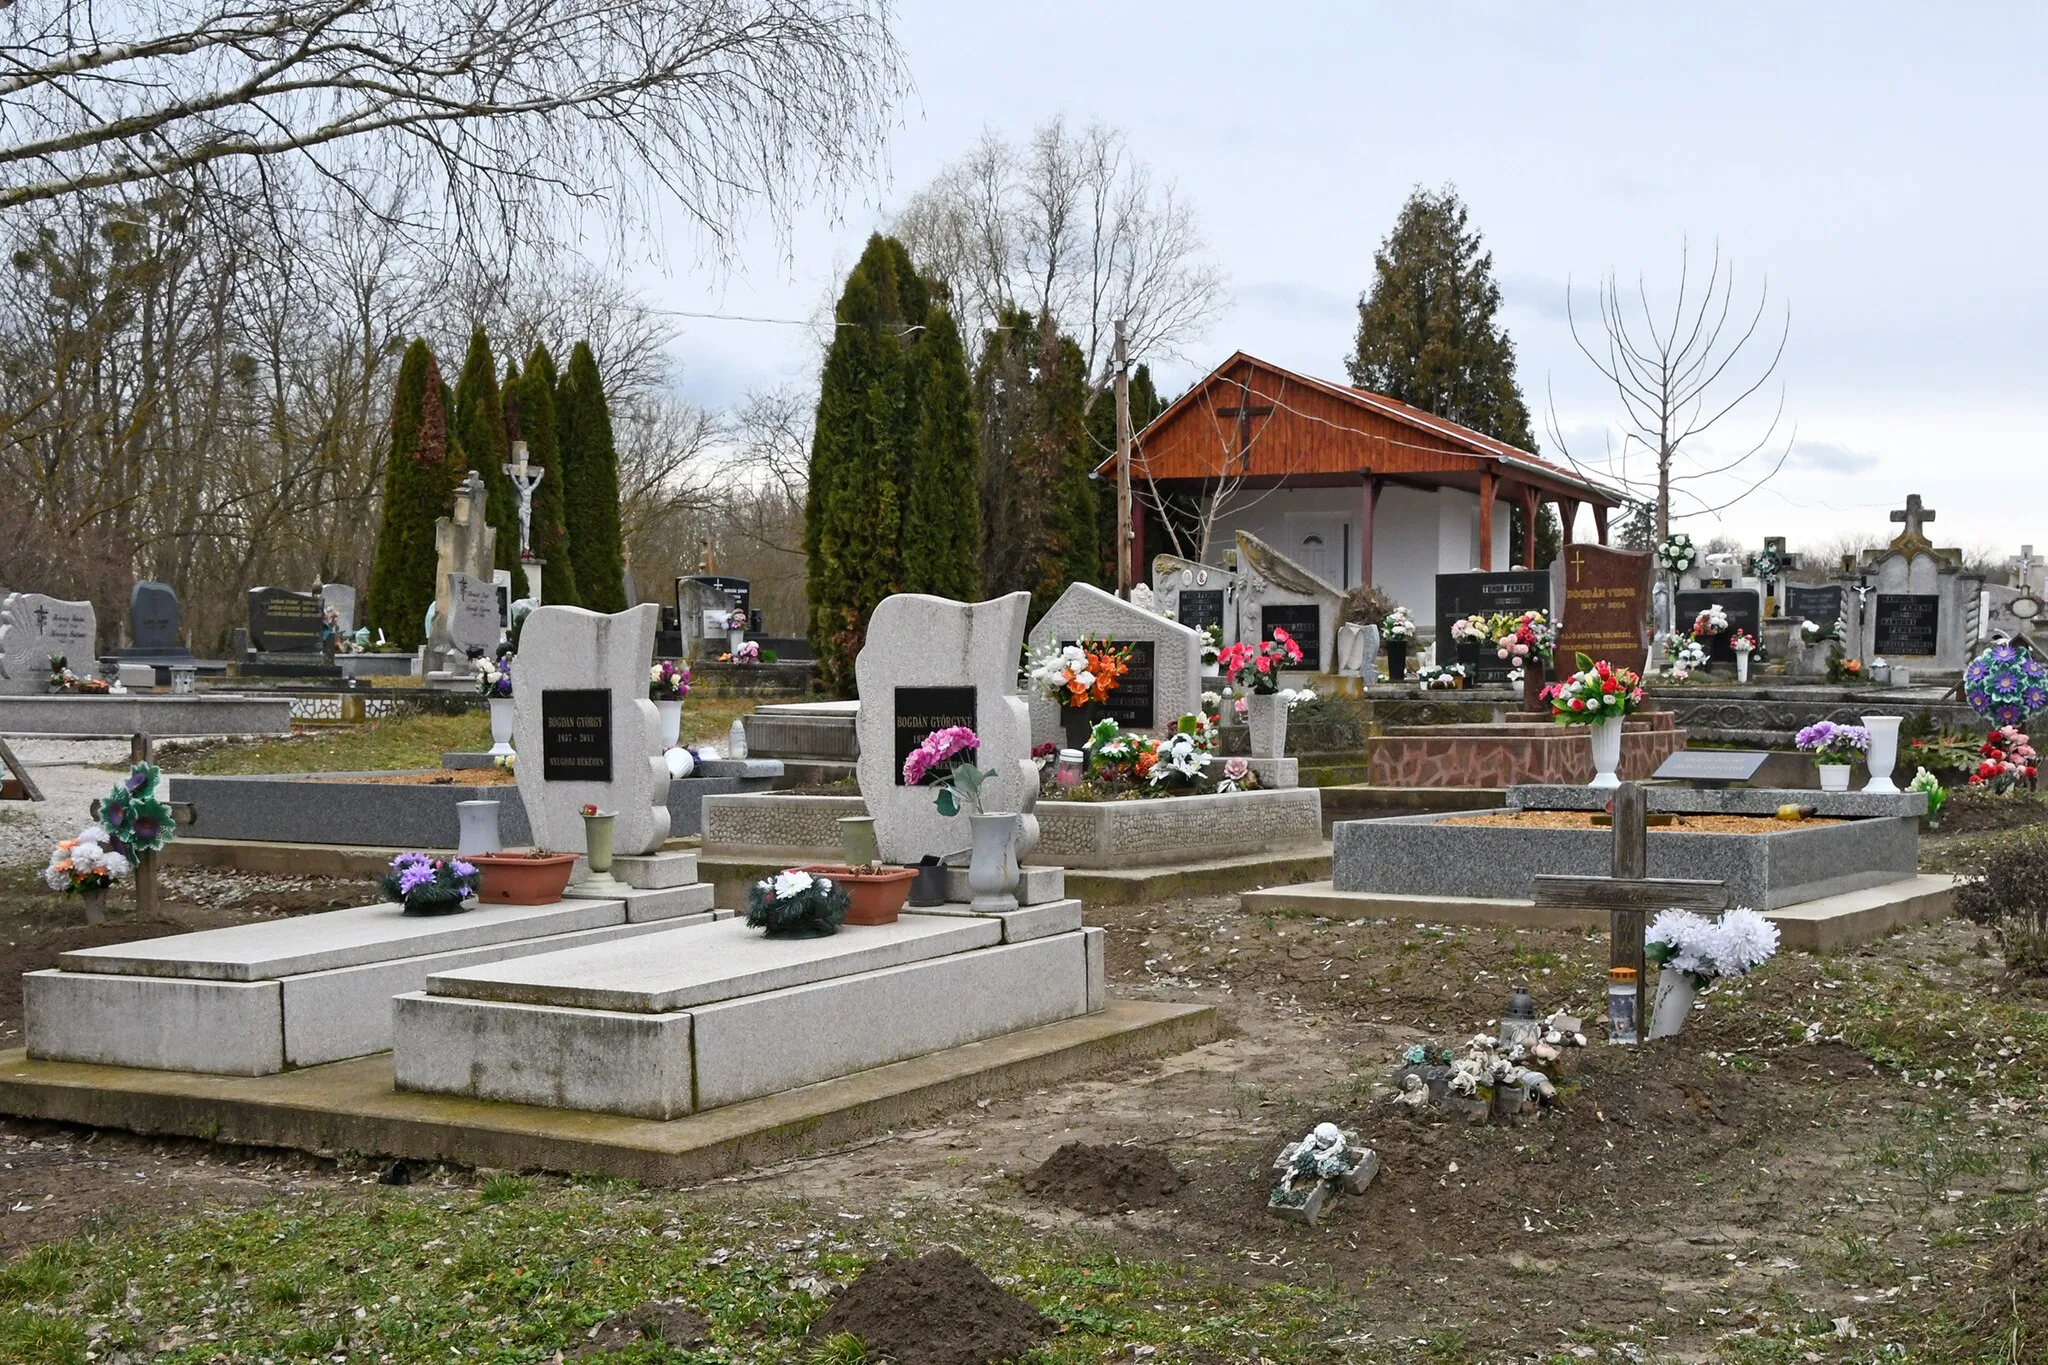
{"x": 1244, "y": 412}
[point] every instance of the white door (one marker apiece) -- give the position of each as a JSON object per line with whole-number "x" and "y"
{"x": 1317, "y": 541}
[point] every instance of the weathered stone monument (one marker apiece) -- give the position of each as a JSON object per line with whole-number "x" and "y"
{"x": 32, "y": 628}
{"x": 154, "y": 622}
{"x": 930, "y": 663}
{"x": 340, "y": 598}
{"x": 585, "y": 731}
{"x": 1196, "y": 595}
{"x": 465, "y": 543}
{"x": 1920, "y": 607}
{"x": 475, "y": 615}
{"x": 1606, "y": 607}
{"x": 1165, "y": 678}
{"x": 1280, "y": 594}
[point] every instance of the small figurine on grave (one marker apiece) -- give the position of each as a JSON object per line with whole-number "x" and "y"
{"x": 1316, "y": 1168}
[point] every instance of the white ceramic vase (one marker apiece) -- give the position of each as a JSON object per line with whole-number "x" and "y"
{"x": 1675, "y": 993}
{"x": 1606, "y": 738}
{"x": 501, "y": 726}
{"x": 1742, "y": 665}
{"x": 1834, "y": 777}
{"x": 992, "y": 873}
{"x": 1884, "y": 752}
{"x": 478, "y": 828}
{"x": 1266, "y": 714}
{"x": 733, "y": 640}
{"x": 671, "y": 723}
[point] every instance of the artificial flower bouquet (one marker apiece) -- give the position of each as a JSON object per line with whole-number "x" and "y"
{"x": 2009, "y": 762}
{"x": 1711, "y": 621}
{"x": 796, "y": 904}
{"x": 1441, "y": 677}
{"x": 1257, "y": 667}
{"x": 1677, "y": 554}
{"x": 1081, "y": 674}
{"x": 494, "y": 677}
{"x": 1519, "y": 638}
{"x": 1930, "y": 786}
{"x": 668, "y": 680}
{"x": 948, "y": 759}
{"x": 1681, "y": 653}
{"x": 427, "y": 885}
{"x": 89, "y": 862}
{"x": 2006, "y": 684}
{"x": 134, "y": 816}
{"x": 1472, "y": 630}
{"x": 1814, "y": 633}
{"x": 1597, "y": 692}
{"x": 1741, "y": 641}
{"x": 1832, "y": 743}
{"x": 749, "y": 652}
{"x": 1398, "y": 628}
{"x": 1708, "y": 950}
{"x": 736, "y": 619}
{"x": 1842, "y": 669}
{"x": 62, "y": 679}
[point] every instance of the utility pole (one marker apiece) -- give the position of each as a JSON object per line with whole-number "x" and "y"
{"x": 1123, "y": 466}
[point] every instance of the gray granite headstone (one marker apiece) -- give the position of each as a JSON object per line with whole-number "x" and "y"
{"x": 1165, "y": 680}
{"x": 580, "y": 698}
{"x": 1196, "y": 595}
{"x": 340, "y": 599}
{"x": 153, "y": 616}
{"x": 472, "y": 613}
{"x": 930, "y": 662}
{"x": 32, "y": 628}
{"x": 1281, "y": 593}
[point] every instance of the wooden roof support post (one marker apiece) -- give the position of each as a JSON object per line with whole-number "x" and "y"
{"x": 1532, "y": 508}
{"x": 1487, "y": 484}
{"x": 1368, "y": 506}
{"x": 1567, "y": 513}
{"x": 1600, "y": 522}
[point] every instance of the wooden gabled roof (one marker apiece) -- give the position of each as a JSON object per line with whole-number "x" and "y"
{"x": 1251, "y": 419}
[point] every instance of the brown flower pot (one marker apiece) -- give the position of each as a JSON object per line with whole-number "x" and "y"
{"x": 1532, "y": 687}
{"x": 514, "y": 879}
{"x": 872, "y": 897}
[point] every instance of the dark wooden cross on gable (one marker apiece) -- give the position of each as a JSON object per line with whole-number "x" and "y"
{"x": 1244, "y": 412}
{"x": 1630, "y": 895}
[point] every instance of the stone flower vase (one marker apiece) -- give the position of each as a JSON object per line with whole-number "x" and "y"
{"x": 1742, "y": 665}
{"x": 671, "y": 723}
{"x": 733, "y": 640}
{"x": 992, "y": 873}
{"x": 1675, "y": 992}
{"x": 1606, "y": 738}
{"x": 597, "y": 842}
{"x": 501, "y": 726}
{"x": 857, "y": 840}
{"x": 478, "y": 832}
{"x": 1266, "y": 714}
{"x": 1884, "y": 752}
{"x": 94, "y": 899}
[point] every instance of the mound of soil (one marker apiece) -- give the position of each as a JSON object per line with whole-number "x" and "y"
{"x": 668, "y": 1321}
{"x": 938, "y": 1309}
{"x": 1105, "y": 1179}
{"x": 1973, "y": 810}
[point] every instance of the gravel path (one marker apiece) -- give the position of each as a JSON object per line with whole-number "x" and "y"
{"x": 29, "y": 828}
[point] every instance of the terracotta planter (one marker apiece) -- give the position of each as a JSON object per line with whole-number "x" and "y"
{"x": 509, "y": 879}
{"x": 872, "y": 897}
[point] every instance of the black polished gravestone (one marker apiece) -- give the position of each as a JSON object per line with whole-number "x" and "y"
{"x": 1202, "y": 609}
{"x": 922, "y": 710}
{"x": 1134, "y": 702}
{"x": 1820, "y": 603}
{"x": 576, "y": 734}
{"x": 1303, "y": 622}
{"x": 1459, "y": 595}
{"x": 1907, "y": 624}
{"x": 1745, "y": 610}
{"x": 284, "y": 622}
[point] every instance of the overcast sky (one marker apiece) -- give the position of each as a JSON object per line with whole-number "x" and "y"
{"x": 1880, "y": 164}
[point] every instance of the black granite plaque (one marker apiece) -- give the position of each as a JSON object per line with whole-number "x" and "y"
{"x": 576, "y": 734}
{"x": 1745, "y": 609}
{"x": 1202, "y": 609}
{"x": 1134, "y": 702}
{"x": 1459, "y": 595}
{"x": 921, "y": 710}
{"x": 1711, "y": 767}
{"x": 1820, "y": 603}
{"x": 284, "y": 622}
{"x": 1302, "y": 621}
{"x": 1907, "y": 623}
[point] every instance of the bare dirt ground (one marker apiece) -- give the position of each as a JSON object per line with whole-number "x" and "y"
{"x": 1756, "y": 1172}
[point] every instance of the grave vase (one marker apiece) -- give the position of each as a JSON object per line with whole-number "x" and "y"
{"x": 1397, "y": 660}
{"x": 1742, "y": 665}
{"x": 1884, "y": 752}
{"x": 1266, "y": 713}
{"x": 733, "y": 640}
{"x": 1675, "y": 992}
{"x": 1834, "y": 777}
{"x": 992, "y": 872}
{"x": 478, "y": 832}
{"x": 1606, "y": 738}
{"x": 94, "y": 899}
{"x": 1532, "y": 687}
{"x": 1077, "y": 721}
{"x": 501, "y": 726}
{"x": 671, "y": 722}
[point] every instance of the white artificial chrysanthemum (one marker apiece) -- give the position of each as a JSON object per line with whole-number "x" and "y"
{"x": 114, "y": 865}
{"x": 1747, "y": 941}
{"x": 1692, "y": 940}
{"x": 788, "y": 884}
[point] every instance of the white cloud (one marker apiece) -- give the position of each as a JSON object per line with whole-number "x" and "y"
{"x": 1830, "y": 458}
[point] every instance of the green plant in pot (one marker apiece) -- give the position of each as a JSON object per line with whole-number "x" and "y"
{"x": 428, "y": 886}
{"x": 796, "y": 904}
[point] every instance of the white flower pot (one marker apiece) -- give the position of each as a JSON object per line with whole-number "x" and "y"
{"x": 992, "y": 873}
{"x": 733, "y": 640}
{"x": 501, "y": 726}
{"x": 1606, "y": 738}
{"x": 1266, "y": 714}
{"x": 1834, "y": 777}
{"x": 671, "y": 723}
{"x": 1675, "y": 993}
{"x": 1742, "y": 665}
{"x": 1884, "y": 752}
{"x": 478, "y": 833}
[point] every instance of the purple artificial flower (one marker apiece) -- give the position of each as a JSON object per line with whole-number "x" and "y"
{"x": 138, "y": 777}
{"x": 414, "y": 877}
{"x": 463, "y": 871}
{"x": 143, "y": 831}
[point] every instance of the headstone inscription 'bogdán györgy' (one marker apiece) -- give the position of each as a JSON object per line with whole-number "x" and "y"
{"x": 576, "y": 738}
{"x": 921, "y": 711}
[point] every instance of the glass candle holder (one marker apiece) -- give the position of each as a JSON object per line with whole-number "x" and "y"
{"x": 1068, "y": 773}
{"x": 1624, "y": 994}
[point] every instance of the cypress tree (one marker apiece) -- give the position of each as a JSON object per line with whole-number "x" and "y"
{"x": 530, "y": 402}
{"x": 1039, "y": 513}
{"x": 590, "y": 484}
{"x": 480, "y": 428}
{"x": 941, "y": 540}
{"x": 419, "y": 487}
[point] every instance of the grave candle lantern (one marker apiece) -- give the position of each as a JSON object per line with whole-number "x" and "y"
{"x": 1068, "y": 773}
{"x": 1623, "y": 991}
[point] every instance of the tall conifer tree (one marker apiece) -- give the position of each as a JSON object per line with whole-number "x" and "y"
{"x": 1038, "y": 504}
{"x": 480, "y": 429}
{"x": 530, "y": 399}
{"x": 590, "y": 483}
{"x": 419, "y": 484}
{"x": 941, "y": 482}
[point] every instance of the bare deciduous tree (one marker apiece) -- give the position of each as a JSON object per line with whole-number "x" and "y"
{"x": 1075, "y": 225}
{"x": 1678, "y": 376}
{"x": 507, "y": 112}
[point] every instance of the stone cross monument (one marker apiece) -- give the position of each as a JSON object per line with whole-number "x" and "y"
{"x": 466, "y": 543}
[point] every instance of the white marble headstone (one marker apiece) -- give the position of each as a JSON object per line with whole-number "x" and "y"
{"x": 598, "y": 665}
{"x": 340, "y": 599}
{"x": 473, "y": 613}
{"x": 32, "y": 628}
{"x": 949, "y": 662}
{"x": 1272, "y": 580}
{"x": 1174, "y": 685}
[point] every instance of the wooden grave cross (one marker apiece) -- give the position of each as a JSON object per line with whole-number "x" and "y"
{"x": 1629, "y": 895}
{"x": 183, "y": 816}
{"x": 29, "y": 790}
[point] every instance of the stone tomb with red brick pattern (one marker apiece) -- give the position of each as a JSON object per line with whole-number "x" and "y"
{"x": 1523, "y": 748}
